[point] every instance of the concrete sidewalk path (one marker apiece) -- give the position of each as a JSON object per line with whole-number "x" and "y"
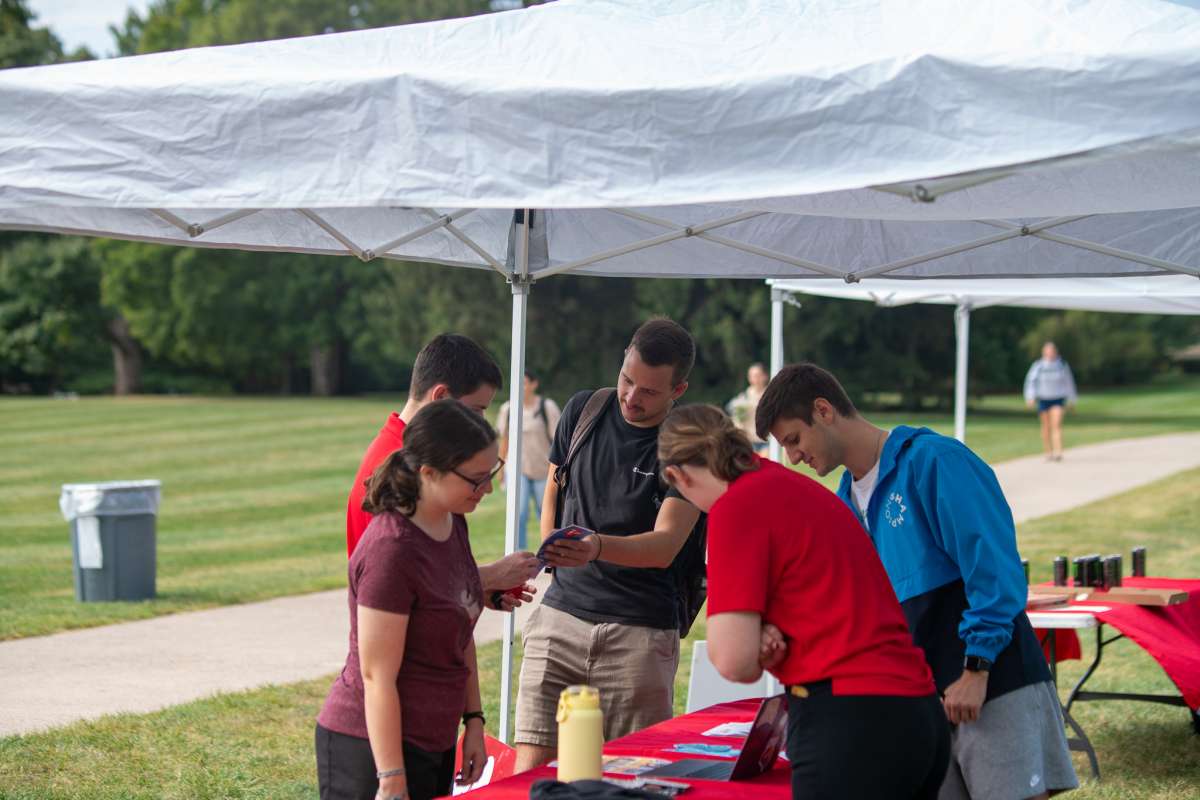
{"x": 1036, "y": 487}
{"x": 151, "y": 664}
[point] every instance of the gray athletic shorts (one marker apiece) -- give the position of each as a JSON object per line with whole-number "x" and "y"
{"x": 1016, "y": 749}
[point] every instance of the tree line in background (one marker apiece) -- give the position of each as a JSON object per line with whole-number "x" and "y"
{"x": 99, "y": 315}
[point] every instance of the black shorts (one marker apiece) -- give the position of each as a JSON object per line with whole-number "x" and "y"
{"x": 346, "y": 769}
{"x": 1046, "y": 405}
{"x": 866, "y": 746}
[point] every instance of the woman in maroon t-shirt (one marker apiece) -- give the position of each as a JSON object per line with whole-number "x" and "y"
{"x": 795, "y": 587}
{"x": 389, "y": 723}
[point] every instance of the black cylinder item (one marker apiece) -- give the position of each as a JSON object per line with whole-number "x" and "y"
{"x": 1139, "y": 562}
{"x": 1060, "y": 571}
{"x": 1112, "y": 578}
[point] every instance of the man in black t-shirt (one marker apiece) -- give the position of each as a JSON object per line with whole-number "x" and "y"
{"x": 610, "y": 618}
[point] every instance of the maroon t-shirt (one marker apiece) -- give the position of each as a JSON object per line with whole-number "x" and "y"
{"x": 397, "y": 567}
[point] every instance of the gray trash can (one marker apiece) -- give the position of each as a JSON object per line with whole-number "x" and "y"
{"x": 112, "y": 538}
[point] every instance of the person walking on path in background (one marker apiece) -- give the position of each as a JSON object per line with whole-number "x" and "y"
{"x": 389, "y": 723}
{"x": 742, "y": 407}
{"x": 1050, "y": 384}
{"x": 450, "y": 366}
{"x": 539, "y": 420}
{"x": 794, "y": 587}
{"x": 945, "y": 534}
{"x": 612, "y": 616}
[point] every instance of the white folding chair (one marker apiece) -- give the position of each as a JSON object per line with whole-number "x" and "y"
{"x": 706, "y": 687}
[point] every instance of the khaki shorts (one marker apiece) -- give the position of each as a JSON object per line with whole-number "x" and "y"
{"x": 632, "y": 667}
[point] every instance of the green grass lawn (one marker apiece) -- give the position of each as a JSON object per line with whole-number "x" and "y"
{"x": 254, "y": 488}
{"x": 259, "y": 744}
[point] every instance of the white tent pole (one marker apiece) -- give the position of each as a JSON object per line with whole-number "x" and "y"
{"x": 512, "y": 515}
{"x": 777, "y": 296}
{"x": 962, "y": 333}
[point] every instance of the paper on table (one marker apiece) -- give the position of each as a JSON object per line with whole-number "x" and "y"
{"x": 739, "y": 729}
{"x": 91, "y": 556}
{"x": 484, "y": 779}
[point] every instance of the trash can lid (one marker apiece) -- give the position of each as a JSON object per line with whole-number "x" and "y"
{"x": 110, "y": 498}
{"x": 105, "y": 486}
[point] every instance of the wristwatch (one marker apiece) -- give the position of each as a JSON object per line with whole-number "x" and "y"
{"x": 470, "y": 715}
{"x": 977, "y": 664}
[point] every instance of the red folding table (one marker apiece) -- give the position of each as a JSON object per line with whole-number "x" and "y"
{"x": 1170, "y": 634}
{"x": 654, "y": 742}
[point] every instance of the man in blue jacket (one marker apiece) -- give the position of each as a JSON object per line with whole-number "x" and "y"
{"x": 945, "y": 535}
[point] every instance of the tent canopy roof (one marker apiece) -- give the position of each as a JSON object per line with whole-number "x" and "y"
{"x": 1168, "y": 294}
{"x": 800, "y": 131}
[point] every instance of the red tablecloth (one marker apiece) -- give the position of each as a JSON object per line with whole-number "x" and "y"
{"x": 652, "y": 741}
{"x": 1170, "y": 634}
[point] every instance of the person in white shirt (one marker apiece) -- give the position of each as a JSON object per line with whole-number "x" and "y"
{"x": 1050, "y": 384}
{"x": 539, "y": 420}
{"x": 741, "y": 408}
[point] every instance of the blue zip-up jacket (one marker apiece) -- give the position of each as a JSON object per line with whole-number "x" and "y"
{"x": 946, "y": 537}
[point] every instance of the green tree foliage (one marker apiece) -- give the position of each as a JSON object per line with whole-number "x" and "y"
{"x": 24, "y": 45}
{"x": 51, "y": 323}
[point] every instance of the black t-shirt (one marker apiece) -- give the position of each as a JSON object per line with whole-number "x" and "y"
{"x": 615, "y": 489}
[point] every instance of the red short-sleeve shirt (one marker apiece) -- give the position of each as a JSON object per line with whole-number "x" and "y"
{"x": 389, "y": 439}
{"x": 782, "y": 546}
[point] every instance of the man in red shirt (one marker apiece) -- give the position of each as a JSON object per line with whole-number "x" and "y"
{"x": 449, "y": 366}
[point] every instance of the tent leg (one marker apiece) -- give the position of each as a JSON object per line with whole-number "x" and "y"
{"x": 516, "y": 375}
{"x": 962, "y": 334}
{"x": 777, "y": 297}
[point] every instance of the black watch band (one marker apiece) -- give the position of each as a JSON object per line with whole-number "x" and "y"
{"x": 497, "y": 597}
{"x": 977, "y": 664}
{"x": 470, "y": 715}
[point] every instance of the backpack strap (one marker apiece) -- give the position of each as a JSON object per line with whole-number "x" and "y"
{"x": 586, "y": 423}
{"x": 541, "y": 411}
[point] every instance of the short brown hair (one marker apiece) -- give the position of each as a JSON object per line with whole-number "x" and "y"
{"x": 457, "y": 361}
{"x": 664, "y": 342}
{"x": 791, "y": 394}
{"x": 703, "y": 436}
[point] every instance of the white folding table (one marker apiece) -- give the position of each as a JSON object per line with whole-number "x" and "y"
{"x": 1070, "y": 618}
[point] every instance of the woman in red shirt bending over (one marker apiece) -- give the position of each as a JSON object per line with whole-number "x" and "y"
{"x": 795, "y": 587}
{"x": 391, "y": 719}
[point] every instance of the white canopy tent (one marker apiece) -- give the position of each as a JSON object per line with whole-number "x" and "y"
{"x": 1164, "y": 294}
{"x": 739, "y": 138}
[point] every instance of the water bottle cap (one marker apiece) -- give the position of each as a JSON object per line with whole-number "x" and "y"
{"x": 577, "y": 698}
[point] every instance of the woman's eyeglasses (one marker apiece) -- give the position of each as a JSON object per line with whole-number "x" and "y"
{"x": 476, "y": 485}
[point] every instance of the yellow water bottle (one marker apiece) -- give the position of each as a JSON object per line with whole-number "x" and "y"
{"x": 580, "y": 734}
